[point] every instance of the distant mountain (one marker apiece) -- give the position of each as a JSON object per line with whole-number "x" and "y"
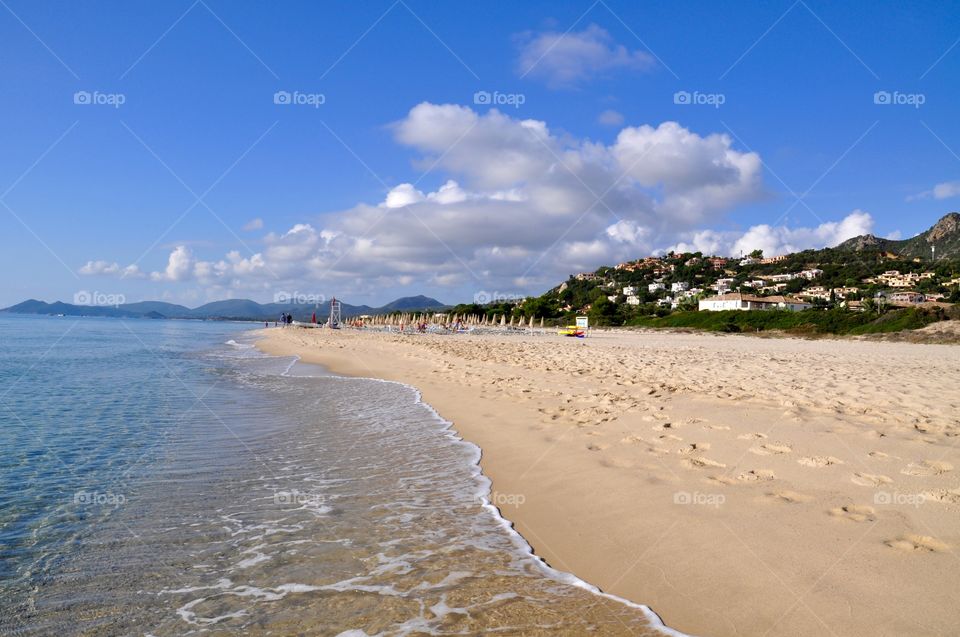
{"x": 232, "y": 309}
{"x": 419, "y": 302}
{"x": 159, "y": 307}
{"x": 32, "y": 306}
{"x": 944, "y": 236}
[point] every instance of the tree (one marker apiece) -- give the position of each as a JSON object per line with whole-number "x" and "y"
{"x": 756, "y": 254}
{"x": 603, "y": 311}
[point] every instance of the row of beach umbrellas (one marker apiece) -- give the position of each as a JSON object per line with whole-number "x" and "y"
{"x": 469, "y": 320}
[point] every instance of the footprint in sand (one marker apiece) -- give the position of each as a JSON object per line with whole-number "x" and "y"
{"x": 597, "y": 446}
{"x": 791, "y": 497}
{"x": 854, "y": 513}
{"x": 616, "y": 463}
{"x": 756, "y": 475}
{"x": 927, "y": 468}
{"x": 870, "y": 480}
{"x": 717, "y": 427}
{"x": 946, "y": 496}
{"x": 819, "y": 461}
{"x": 771, "y": 449}
{"x": 725, "y": 480}
{"x": 879, "y": 455}
{"x": 754, "y": 436}
{"x": 917, "y": 543}
{"x": 696, "y": 447}
{"x": 699, "y": 463}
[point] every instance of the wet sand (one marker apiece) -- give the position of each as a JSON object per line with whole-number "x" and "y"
{"x": 737, "y": 486}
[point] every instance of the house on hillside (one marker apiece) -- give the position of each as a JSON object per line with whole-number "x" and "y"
{"x": 738, "y": 301}
{"x": 816, "y": 292}
{"x": 910, "y": 298}
{"x": 654, "y": 287}
{"x": 776, "y": 259}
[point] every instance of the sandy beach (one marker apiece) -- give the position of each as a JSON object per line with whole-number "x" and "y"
{"x": 736, "y": 485}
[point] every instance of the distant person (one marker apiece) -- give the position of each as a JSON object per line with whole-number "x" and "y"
{"x": 283, "y": 319}
{"x": 313, "y": 319}
{"x": 289, "y": 319}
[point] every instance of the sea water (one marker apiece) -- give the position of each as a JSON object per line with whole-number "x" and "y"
{"x": 165, "y": 478}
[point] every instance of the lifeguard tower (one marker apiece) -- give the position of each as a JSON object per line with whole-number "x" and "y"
{"x": 334, "y": 320}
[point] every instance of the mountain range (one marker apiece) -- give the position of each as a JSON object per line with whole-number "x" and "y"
{"x": 231, "y": 309}
{"x": 943, "y": 238}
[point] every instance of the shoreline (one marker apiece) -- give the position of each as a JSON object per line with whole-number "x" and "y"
{"x": 579, "y": 513}
{"x": 571, "y": 579}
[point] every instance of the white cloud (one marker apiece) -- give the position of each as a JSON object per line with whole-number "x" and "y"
{"x": 944, "y": 190}
{"x": 179, "y": 266}
{"x": 104, "y": 268}
{"x": 564, "y": 60}
{"x": 774, "y": 240}
{"x": 253, "y": 224}
{"x": 610, "y": 118}
{"x": 402, "y": 195}
{"x": 520, "y": 207}
{"x": 92, "y": 268}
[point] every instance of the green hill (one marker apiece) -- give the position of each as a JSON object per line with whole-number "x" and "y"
{"x": 944, "y": 237}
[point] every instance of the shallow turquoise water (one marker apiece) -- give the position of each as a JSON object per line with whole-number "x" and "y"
{"x": 164, "y": 478}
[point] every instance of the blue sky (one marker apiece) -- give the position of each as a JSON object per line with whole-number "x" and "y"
{"x": 184, "y": 179}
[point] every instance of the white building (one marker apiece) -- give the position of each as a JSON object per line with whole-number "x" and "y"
{"x": 653, "y": 287}
{"x": 633, "y": 300}
{"x": 738, "y": 301}
{"x": 629, "y": 290}
{"x": 782, "y": 278}
{"x": 811, "y": 274}
{"x": 680, "y": 286}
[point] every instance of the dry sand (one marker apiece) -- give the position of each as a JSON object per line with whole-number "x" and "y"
{"x": 737, "y": 486}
